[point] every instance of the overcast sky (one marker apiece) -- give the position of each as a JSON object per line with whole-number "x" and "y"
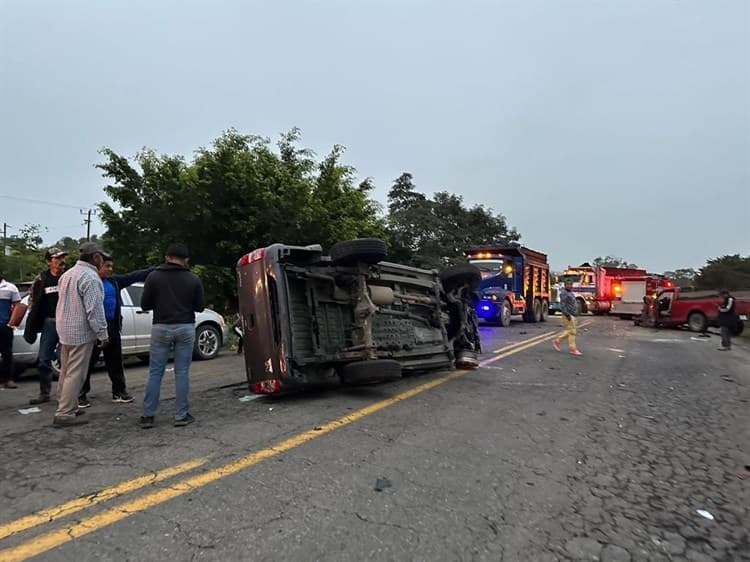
{"x": 595, "y": 127}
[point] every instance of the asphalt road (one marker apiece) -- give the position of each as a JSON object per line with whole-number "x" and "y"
{"x": 535, "y": 456}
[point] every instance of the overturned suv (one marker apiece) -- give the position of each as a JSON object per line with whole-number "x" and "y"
{"x": 311, "y": 319}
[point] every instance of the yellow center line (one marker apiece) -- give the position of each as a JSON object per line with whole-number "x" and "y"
{"x": 55, "y": 512}
{"x": 523, "y": 342}
{"x": 67, "y": 533}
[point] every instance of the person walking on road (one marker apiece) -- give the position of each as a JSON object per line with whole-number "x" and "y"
{"x": 113, "y": 313}
{"x": 10, "y": 298}
{"x": 728, "y": 319}
{"x": 175, "y": 295}
{"x": 568, "y": 308}
{"x": 41, "y": 319}
{"x": 80, "y": 323}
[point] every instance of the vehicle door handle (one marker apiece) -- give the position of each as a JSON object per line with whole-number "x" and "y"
{"x": 141, "y": 311}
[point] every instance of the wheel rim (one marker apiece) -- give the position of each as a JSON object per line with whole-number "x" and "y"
{"x": 696, "y": 323}
{"x": 208, "y": 342}
{"x": 506, "y": 313}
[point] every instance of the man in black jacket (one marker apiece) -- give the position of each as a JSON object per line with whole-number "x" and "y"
{"x": 728, "y": 319}
{"x": 175, "y": 295}
{"x": 42, "y": 306}
{"x": 113, "y": 284}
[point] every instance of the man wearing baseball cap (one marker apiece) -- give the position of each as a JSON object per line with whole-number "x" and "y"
{"x": 41, "y": 319}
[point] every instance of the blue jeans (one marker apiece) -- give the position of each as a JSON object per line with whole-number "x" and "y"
{"x": 164, "y": 339}
{"x": 47, "y": 353}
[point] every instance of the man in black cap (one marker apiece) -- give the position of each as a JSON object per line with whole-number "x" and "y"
{"x": 42, "y": 305}
{"x": 175, "y": 295}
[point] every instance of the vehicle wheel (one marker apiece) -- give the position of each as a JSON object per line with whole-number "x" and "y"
{"x": 372, "y": 371}
{"x": 697, "y": 322}
{"x": 464, "y": 274}
{"x": 738, "y": 328}
{"x": 364, "y": 250}
{"x": 207, "y": 342}
{"x": 505, "y": 313}
{"x": 144, "y": 359}
{"x": 545, "y": 311}
{"x": 580, "y": 307}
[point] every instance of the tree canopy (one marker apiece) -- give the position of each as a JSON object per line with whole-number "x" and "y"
{"x": 613, "y": 261}
{"x": 726, "y": 272}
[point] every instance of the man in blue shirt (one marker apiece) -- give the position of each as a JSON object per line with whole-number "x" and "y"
{"x": 9, "y": 299}
{"x": 113, "y": 284}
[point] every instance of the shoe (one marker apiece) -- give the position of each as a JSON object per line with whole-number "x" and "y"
{"x": 10, "y": 384}
{"x": 123, "y": 398}
{"x": 147, "y": 422}
{"x": 575, "y": 352}
{"x": 41, "y": 399}
{"x": 64, "y": 421}
{"x": 80, "y": 412}
{"x": 184, "y": 421}
{"x": 556, "y": 345}
{"x": 723, "y": 348}
{"x": 83, "y": 402}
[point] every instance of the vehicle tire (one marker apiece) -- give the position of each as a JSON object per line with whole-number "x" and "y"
{"x": 364, "y": 250}
{"x": 545, "y": 311}
{"x": 207, "y": 342}
{"x": 738, "y": 328}
{"x": 372, "y": 371}
{"x": 459, "y": 275}
{"x": 506, "y": 311}
{"x": 697, "y": 322}
{"x": 144, "y": 359}
{"x": 580, "y": 307}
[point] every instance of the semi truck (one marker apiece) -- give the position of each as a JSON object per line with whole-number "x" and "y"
{"x": 515, "y": 281}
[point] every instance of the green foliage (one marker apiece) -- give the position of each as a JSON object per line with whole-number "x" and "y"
{"x": 684, "y": 277}
{"x": 613, "y": 261}
{"x": 725, "y": 272}
{"x": 237, "y": 195}
{"x": 435, "y": 232}
{"x": 24, "y": 259}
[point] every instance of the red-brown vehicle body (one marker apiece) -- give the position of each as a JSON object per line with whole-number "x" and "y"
{"x": 696, "y": 309}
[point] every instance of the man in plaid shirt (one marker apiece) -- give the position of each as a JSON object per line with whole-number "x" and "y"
{"x": 80, "y": 323}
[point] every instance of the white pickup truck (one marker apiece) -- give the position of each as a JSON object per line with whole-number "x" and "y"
{"x": 210, "y": 332}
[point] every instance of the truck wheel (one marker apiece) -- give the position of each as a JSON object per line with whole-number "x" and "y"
{"x": 505, "y": 313}
{"x": 738, "y": 328}
{"x": 372, "y": 371}
{"x": 464, "y": 274}
{"x": 545, "y": 311}
{"x": 697, "y": 322}
{"x": 580, "y": 307}
{"x": 364, "y": 250}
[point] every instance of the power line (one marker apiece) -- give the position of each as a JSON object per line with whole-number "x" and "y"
{"x": 39, "y": 201}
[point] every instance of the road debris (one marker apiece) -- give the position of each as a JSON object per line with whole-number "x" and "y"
{"x": 381, "y": 484}
{"x": 34, "y": 410}
{"x": 616, "y": 350}
{"x": 705, "y": 514}
{"x": 249, "y": 397}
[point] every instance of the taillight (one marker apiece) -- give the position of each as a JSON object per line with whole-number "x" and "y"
{"x": 266, "y": 387}
{"x": 244, "y": 260}
{"x": 255, "y": 255}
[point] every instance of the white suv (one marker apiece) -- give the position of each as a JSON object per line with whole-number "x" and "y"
{"x": 210, "y": 332}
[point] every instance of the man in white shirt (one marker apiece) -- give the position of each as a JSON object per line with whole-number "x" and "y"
{"x": 80, "y": 323}
{"x": 9, "y": 299}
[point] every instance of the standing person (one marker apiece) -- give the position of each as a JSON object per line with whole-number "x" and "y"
{"x": 113, "y": 313}
{"x": 175, "y": 295}
{"x": 568, "y": 308}
{"x": 728, "y": 319}
{"x": 9, "y": 299}
{"x": 43, "y": 303}
{"x": 80, "y": 323}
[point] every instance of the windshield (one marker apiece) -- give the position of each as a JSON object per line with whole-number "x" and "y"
{"x": 489, "y": 268}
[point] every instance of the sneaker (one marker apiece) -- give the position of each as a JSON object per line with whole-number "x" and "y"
{"x": 723, "y": 348}
{"x": 556, "y": 345}
{"x": 184, "y": 421}
{"x": 41, "y": 399}
{"x": 10, "y": 384}
{"x": 123, "y": 398}
{"x": 65, "y": 421}
{"x": 83, "y": 402}
{"x": 147, "y": 422}
{"x": 575, "y": 352}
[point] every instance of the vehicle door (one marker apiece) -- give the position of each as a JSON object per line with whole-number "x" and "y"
{"x": 141, "y": 319}
{"x": 127, "y": 332}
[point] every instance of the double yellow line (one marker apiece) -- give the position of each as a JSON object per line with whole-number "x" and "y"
{"x": 67, "y": 533}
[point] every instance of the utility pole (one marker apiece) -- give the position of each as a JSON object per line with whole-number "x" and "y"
{"x": 87, "y": 220}
{"x": 5, "y": 239}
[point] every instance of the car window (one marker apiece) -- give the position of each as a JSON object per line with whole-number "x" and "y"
{"x": 135, "y": 292}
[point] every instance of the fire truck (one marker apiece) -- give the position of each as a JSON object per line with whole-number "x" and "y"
{"x": 628, "y": 292}
{"x": 515, "y": 281}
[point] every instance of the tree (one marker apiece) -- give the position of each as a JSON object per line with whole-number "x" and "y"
{"x": 436, "y": 232}
{"x": 726, "y": 272}
{"x": 684, "y": 277}
{"x": 237, "y": 195}
{"x": 613, "y": 261}
{"x": 24, "y": 258}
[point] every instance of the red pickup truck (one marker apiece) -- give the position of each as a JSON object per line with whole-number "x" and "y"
{"x": 697, "y": 309}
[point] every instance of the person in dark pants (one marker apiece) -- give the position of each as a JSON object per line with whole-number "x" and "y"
{"x": 728, "y": 319}
{"x": 9, "y": 299}
{"x": 113, "y": 313}
{"x": 43, "y": 303}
